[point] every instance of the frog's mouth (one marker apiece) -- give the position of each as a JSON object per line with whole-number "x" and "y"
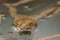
{"x": 18, "y": 29}
{"x": 25, "y": 32}
{"x": 22, "y": 32}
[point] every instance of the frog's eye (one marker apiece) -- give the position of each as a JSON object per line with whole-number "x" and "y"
{"x": 30, "y": 24}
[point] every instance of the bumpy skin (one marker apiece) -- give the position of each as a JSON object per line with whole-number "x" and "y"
{"x": 24, "y": 22}
{"x": 21, "y": 22}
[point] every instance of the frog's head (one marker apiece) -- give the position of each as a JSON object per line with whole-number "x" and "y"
{"x": 25, "y": 23}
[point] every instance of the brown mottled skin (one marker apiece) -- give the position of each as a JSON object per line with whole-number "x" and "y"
{"x": 22, "y": 22}
{"x": 25, "y": 22}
